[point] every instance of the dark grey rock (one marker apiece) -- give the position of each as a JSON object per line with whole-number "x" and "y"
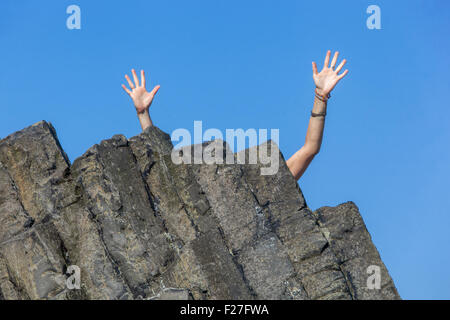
{"x": 139, "y": 226}
{"x": 172, "y": 294}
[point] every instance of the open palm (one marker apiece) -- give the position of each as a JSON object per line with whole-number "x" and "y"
{"x": 327, "y": 79}
{"x": 142, "y": 99}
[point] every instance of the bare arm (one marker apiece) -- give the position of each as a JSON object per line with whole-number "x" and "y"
{"x": 325, "y": 82}
{"x": 141, "y": 98}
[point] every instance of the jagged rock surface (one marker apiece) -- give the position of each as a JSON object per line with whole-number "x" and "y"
{"x": 140, "y": 227}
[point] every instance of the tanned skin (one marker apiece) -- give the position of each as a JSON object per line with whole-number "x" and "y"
{"x": 325, "y": 81}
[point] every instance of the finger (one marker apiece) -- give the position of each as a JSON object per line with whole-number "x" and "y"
{"x": 314, "y": 66}
{"x": 136, "y": 80}
{"x": 126, "y": 89}
{"x": 143, "y": 78}
{"x": 333, "y": 62}
{"x": 155, "y": 90}
{"x": 343, "y": 74}
{"x": 339, "y": 68}
{"x": 327, "y": 59}
{"x": 129, "y": 81}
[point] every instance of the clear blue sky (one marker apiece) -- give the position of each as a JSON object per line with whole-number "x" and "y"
{"x": 247, "y": 64}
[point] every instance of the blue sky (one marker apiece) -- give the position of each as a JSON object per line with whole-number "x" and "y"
{"x": 247, "y": 64}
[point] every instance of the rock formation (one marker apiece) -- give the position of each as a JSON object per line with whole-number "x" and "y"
{"x": 140, "y": 227}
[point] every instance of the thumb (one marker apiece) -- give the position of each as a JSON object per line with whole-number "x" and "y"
{"x": 314, "y": 67}
{"x": 155, "y": 90}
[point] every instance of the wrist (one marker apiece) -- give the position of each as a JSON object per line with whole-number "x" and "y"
{"x": 142, "y": 112}
{"x": 321, "y": 94}
{"x": 144, "y": 119}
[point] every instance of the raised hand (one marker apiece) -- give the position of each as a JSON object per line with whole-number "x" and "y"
{"x": 327, "y": 79}
{"x": 142, "y": 99}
